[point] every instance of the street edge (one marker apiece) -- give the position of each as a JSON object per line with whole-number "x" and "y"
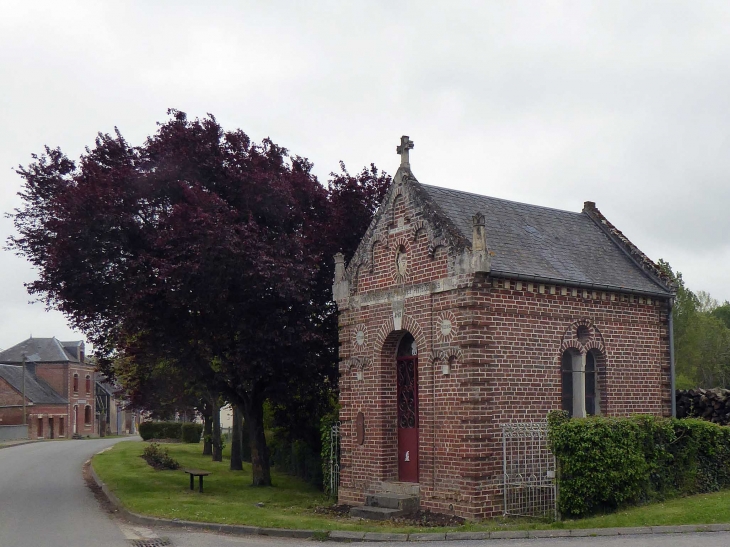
{"x": 23, "y": 442}
{"x": 345, "y": 536}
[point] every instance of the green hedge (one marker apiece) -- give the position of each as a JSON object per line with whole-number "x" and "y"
{"x": 187, "y": 432}
{"x": 606, "y": 463}
{"x": 191, "y": 432}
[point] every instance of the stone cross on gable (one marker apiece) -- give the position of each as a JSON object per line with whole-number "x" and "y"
{"x": 406, "y": 144}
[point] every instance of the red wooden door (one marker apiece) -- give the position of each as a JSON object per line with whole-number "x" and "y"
{"x": 407, "y": 369}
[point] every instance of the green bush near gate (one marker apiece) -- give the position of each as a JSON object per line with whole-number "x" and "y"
{"x": 178, "y": 431}
{"x": 607, "y": 463}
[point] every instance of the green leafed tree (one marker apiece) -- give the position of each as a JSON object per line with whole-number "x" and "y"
{"x": 200, "y": 248}
{"x": 701, "y": 337}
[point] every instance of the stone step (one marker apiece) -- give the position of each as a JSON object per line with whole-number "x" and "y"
{"x": 402, "y": 502}
{"x": 375, "y": 513}
{"x": 407, "y": 488}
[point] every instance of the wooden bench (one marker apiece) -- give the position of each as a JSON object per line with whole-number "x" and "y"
{"x": 196, "y": 473}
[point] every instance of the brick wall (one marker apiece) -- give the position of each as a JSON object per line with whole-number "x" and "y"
{"x": 501, "y": 342}
{"x": 55, "y": 375}
{"x": 52, "y": 417}
{"x": 11, "y": 416}
{"x": 8, "y": 395}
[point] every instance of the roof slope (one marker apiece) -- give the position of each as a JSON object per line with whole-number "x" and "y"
{"x": 545, "y": 243}
{"x": 36, "y": 390}
{"x": 39, "y": 350}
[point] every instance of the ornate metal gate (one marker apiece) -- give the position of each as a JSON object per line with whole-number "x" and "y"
{"x": 529, "y": 471}
{"x": 407, "y": 400}
{"x": 334, "y": 460}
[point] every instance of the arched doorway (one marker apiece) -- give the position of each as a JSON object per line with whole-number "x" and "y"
{"x": 407, "y": 408}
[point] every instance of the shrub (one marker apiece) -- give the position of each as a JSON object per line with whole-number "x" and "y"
{"x": 606, "y": 463}
{"x": 191, "y": 432}
{"x": 159, "y": 457}
{"x": 146, "y": 430}
{"x": 161, "y": 430}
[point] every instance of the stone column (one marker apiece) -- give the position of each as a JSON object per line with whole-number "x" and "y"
{"x": 579, "y": 386}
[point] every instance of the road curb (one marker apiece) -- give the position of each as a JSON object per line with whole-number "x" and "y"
{"x": 346, "y": 536}
{"x": 18, "y": 444}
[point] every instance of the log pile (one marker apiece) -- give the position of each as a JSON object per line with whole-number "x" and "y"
{"x": 708, "y": 404}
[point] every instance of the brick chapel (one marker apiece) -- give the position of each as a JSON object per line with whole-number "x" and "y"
{"x": 460, "y": 312}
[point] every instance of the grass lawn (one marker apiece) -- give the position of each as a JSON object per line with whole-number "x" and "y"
{"x": 700, "y": 509}
{"x": 229, "y": 498}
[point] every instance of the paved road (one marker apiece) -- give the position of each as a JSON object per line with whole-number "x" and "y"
{"x": 44, "y": 501}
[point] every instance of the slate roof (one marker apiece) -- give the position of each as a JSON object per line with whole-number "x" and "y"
{"x": 41, "y": 350}
{"x": 36, "y": 390}
{"x": 549, "y": 244}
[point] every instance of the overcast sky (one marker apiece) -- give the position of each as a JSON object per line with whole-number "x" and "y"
{"x": 623, "y": 103}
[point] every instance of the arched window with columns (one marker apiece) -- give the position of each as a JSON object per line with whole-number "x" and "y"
{"x": 581, "y": 378}
{"x": 583, "y": 370}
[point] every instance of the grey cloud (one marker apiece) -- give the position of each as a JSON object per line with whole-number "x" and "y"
{"x": 622, "y": 103}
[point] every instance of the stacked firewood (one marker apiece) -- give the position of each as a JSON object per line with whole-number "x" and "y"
{"x": 709, "y": 404}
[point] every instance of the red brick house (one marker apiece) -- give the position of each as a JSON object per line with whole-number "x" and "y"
{"x": 60, "y": 388}
{"x": 46, "y": 409}
{"x": 461, "y": 312}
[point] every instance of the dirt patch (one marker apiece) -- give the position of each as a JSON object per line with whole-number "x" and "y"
{"x": 425, "y": 519}
{"x": 104, "y": 502}
{"x": 164, "y": 441}
{"x": 333, "y": 510}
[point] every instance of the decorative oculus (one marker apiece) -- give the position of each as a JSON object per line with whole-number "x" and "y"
{"x": 445, "y": 327}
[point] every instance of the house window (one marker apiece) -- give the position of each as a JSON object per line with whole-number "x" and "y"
{"x": 40, "y": 428}
{"x": 88, "y": 384}
{"x": 61, "y": 428}
{"x": 579, "y": 380}
{"x": 87, "y": 415}
{"x": 76, "y": 383}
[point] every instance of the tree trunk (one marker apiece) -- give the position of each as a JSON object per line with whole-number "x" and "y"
{"x": 217, "y": 443}
{"x": 236, "y": 448}
{"x": 259, "y": 451}
{"x": 207, "y": 435}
